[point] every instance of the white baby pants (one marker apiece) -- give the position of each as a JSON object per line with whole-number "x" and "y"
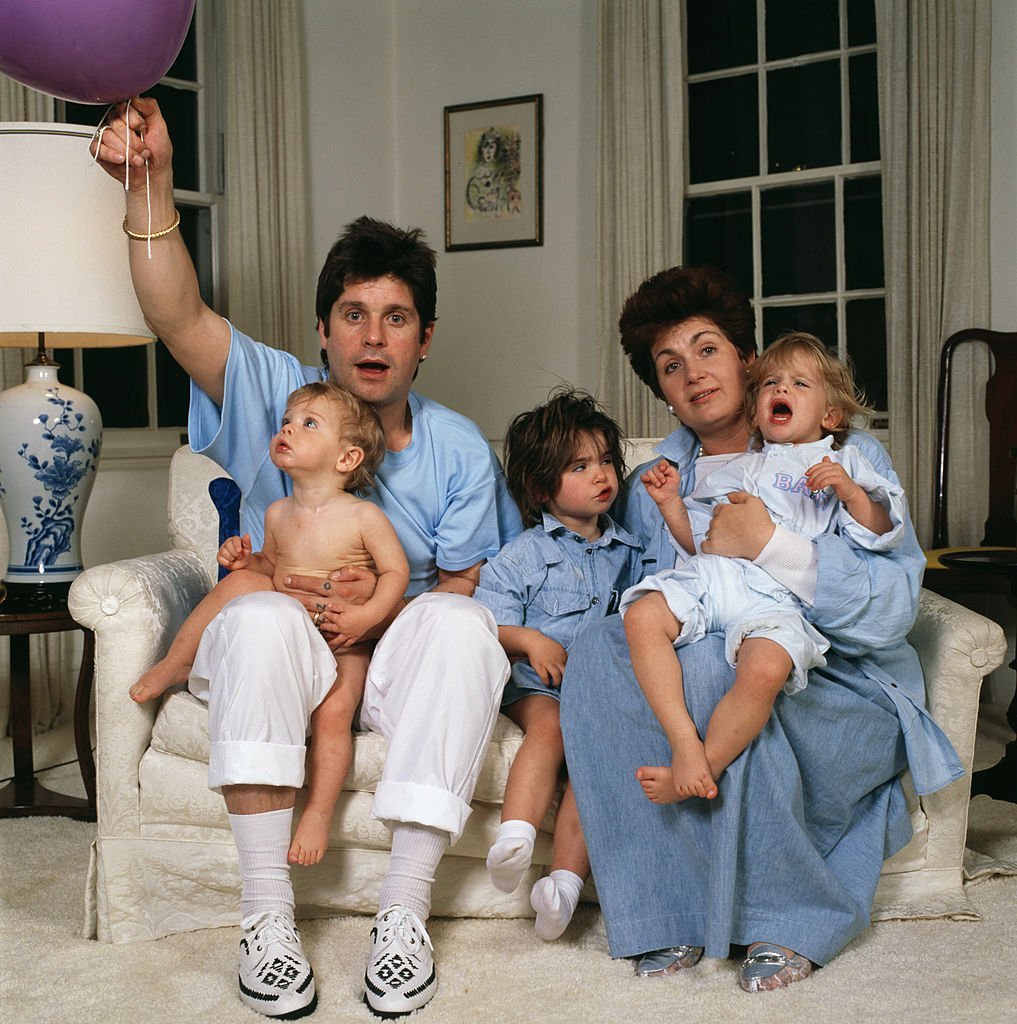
{"x": 433, "y": 691}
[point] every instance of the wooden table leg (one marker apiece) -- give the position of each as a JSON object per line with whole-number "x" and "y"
{"x": 82, "y": 716}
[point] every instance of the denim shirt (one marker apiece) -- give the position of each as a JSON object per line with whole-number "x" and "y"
{"x": 555, "y": 581}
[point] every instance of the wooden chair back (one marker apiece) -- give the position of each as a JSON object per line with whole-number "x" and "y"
{"x": 1001, "y": 410}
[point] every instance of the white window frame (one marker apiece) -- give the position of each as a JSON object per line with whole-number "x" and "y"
{"x": 836, "y": 174}
{"x": 143, "y": 447}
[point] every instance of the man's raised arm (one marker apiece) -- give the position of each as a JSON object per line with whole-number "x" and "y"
{"x": 166, "y": 285}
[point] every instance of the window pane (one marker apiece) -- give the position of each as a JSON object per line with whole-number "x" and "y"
{"x": 863, "y": 233}
{"x": 719, "y": 34}
{"x": 83, "y": 113}
{"x": 798, "y": 239}
{"x": 116, "y": 379}
{"x": 803, "y": 116}
{"x": 718, "y": 231}
{"x": 861, "y": 22}
{"x": 180, "y": 108}
{"x": 723, "y": 129}
{"x": 186, "y": 64}
{"x": 864, "y": 107}
{"x": 866, "y": 345}
{"x": 819, "y": 318}
{"x": 794, "y": 27}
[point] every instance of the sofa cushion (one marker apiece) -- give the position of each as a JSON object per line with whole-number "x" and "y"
{"x": 181, "y": 730}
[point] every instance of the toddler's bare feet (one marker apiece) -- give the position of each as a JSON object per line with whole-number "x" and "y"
{"x": 157, "y": 680}
{"x": 310, "y": 841}
{"x": 659, "y": 786}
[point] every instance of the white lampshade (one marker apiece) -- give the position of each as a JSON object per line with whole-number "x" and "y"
{"x": 64, "y": 283}
{"x": 63, "y": 262}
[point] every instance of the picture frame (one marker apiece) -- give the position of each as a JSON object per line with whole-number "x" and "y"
{"x": 494, "y": 173}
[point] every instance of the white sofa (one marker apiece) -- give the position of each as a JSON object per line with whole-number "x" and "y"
{"x": 163, "y": 860}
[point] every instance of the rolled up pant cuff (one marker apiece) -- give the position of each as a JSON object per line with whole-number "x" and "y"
{"x": 412, "y": 803}
{"x": 243, "y": 763}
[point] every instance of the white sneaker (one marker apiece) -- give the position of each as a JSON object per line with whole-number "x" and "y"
{"x": 275, "y": 977}
{"x": 400, "y": 971}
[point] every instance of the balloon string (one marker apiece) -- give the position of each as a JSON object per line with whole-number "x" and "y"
{"x": 97, "y": 135}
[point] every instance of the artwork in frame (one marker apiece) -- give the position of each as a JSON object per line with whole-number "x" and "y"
{"x": 494, "y": 174}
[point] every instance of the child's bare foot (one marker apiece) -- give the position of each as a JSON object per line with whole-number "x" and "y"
{"x": 658, "y": 784}
{"x": 157, "y": 680}
{"x": 310, "y": 841}
{"x": 691, "y": 772}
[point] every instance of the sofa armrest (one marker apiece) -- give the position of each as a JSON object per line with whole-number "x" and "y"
{"x": 957, "y": 648}
{"x": 135, "y": 607}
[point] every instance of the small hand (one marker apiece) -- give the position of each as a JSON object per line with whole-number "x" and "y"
{"x": 547, "y": 658}
{"x": 740, "y": 529}
{"x": 235, "y": 552}
{"x": 662, "y": 482}
{"x": 833, "y": 475}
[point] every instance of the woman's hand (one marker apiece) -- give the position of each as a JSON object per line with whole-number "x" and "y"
{"x": 740, "y": 529}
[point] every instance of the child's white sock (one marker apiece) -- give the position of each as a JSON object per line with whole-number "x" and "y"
{"x": 554, "y": 898}
{"x": 511, "y": 853}
{"x": 263, "y": 841}
{"x": 416, "y": 850}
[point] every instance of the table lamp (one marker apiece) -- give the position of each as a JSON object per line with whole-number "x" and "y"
{"x": 64, "y": 283}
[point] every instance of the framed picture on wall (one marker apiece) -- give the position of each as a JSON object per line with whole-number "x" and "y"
{"x": 494, "y": 174}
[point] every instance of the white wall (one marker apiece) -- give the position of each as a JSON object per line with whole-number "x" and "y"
{"x": 512, "y": 322}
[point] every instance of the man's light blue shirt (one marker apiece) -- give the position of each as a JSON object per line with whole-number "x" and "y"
{"x": 444, "y": 493}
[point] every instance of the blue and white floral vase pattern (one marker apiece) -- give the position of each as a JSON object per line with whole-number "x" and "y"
{"x": 50, "y": 437}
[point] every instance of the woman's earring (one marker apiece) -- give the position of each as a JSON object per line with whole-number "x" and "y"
{"x": 423, "y": 357}
{"x": 670, "y": 410}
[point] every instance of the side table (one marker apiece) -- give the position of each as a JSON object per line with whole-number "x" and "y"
{"x": 25, "y": 796}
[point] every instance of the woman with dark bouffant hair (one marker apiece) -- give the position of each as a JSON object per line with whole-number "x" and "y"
{"x": 784, "y": 859}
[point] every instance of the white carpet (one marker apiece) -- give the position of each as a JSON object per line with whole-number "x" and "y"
{"x": 494, "y": 971}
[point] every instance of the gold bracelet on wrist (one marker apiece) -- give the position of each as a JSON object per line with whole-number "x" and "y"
{"x": 155, "y": 234}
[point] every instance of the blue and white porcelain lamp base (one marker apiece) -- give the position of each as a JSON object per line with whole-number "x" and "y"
{"x": 50, "y": 438}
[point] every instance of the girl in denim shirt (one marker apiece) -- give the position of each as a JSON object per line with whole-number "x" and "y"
{"x": 563, "y": 462}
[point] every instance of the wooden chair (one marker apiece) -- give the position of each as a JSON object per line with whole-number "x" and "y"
{"x": 991, "y": 567}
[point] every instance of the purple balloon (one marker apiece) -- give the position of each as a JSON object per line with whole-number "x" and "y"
{"x": 91, "y": 51}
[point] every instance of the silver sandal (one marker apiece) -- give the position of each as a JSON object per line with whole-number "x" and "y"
{"x": 768, "y": 967}
{"x": 659, "y": 962}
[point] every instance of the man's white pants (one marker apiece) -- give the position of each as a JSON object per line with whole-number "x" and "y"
{"x": 433, "y": 691}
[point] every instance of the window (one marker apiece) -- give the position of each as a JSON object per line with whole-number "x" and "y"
{"x": 141, "y": 392}
{"x": 783, "y": 175}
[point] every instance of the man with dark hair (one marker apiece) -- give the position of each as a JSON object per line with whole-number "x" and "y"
{"x": 437, "y": 673}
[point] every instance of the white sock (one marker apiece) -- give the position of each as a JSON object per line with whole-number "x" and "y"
{"x": 416, "y": 850}
{"x": 554, "y": 898}
{"x": 263, "y": 840}
{"x": 510, "y": 856}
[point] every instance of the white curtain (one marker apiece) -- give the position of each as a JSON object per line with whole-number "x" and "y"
{"x": 934, "y": 120}
{"x": 19, "y": 103}
{"x": 641, "y": 178}
{"x": 266, "y": 143}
